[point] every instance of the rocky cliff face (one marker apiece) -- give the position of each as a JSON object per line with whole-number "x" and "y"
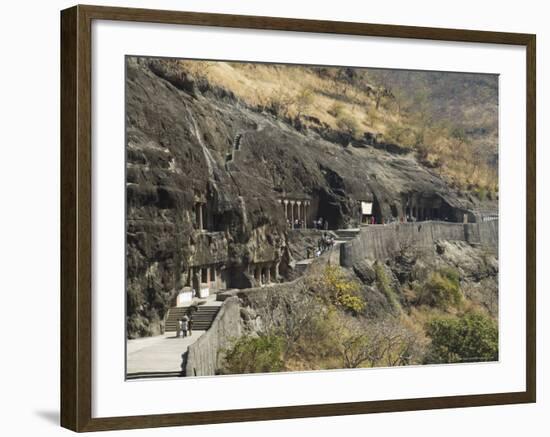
{"x": 207, "y": 178}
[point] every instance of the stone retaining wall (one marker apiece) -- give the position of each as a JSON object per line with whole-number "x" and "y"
{"x": 202, "y": 356}
{"x": 382, "y": 241}
{"x": 488, "y": 232}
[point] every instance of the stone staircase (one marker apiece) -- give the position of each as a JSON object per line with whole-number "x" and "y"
{"x": 237, "y": 141}
{"x": 202, "y": 317}
{"x": 230, "y": 156}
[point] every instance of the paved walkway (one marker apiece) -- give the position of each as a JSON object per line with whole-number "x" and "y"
{"x": 159, "y": 354}
{"x": 162, "y": 354}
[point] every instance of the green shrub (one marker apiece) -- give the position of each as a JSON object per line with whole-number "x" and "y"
{"x": 254, "y": 355}
{"x": 355, "y": 304}
{"x": 470, "y": 338}
{"x": 442, "y": 289}
{"x": 340, "y": 291}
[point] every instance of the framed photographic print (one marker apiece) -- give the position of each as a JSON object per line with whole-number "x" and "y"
{"x": 268, "y": 218}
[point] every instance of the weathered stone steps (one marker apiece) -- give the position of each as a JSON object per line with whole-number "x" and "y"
{"x": 202, "y": 317}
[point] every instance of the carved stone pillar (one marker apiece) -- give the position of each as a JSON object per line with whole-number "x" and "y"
{"x": 258, "y": 274}
{"x": 213, "y": 277}
{"x": 292, "y": 212}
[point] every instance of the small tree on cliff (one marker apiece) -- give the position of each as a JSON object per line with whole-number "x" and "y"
{"x": 336, "y": 289}
{"x": 442, "y": 289}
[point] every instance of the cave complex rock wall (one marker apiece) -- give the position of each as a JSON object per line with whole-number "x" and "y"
{"x": 207, "y": 178}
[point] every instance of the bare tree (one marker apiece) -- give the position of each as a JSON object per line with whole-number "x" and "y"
{"x": 287, "y": 313}
{"x": 383, "y": 342}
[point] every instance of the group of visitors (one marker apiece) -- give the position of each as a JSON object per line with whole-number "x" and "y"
{"x": 412, "y": 218}
{"x": 296, "y": 224}
{"x": 408, "y": 219}
{"x": 320, "y": 223}
{"x": 371, "y": 220}
{"x": 390, "y": 219}
{"x": 185, "y": 326}
{"x": 324, "y": 243}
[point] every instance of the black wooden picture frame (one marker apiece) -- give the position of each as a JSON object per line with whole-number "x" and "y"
{"x": 76, "y": 217}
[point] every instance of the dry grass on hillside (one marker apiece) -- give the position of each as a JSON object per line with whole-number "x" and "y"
{"x": 359, "y": 101}
{"x": 295, "y": 90}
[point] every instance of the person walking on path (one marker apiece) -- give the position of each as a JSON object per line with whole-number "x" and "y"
{"x": 190, "y": 325}
{"x": 185, "y": 325}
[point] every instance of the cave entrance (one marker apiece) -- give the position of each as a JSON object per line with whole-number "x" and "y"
{"x": 330, "y": 211}
{"x": 376, "y": 211}
{"x": 220, "y": 221}
{"x": 423, "y": 207}
{"x": 447, "y": 213}
{"x": 236, "y": 277}
{"x": 206, "y": 279}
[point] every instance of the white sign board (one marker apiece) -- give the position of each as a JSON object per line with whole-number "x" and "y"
{"x": 366, "y": 208}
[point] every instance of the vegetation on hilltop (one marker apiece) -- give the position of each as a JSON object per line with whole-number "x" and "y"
{"x": 450, "y": 120}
